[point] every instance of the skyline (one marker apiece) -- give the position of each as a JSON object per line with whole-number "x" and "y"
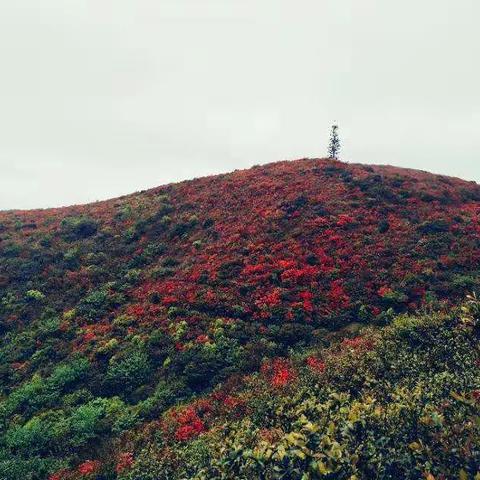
{"x": 104, "y": 99}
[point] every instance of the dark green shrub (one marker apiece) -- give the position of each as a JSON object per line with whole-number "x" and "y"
{"x": 77, "y": 228}
{"x": 128, "y": 371}
{"x": 383, "y": 226}
{"x": 98, "y": 302}
{"x": 433, "y": 226}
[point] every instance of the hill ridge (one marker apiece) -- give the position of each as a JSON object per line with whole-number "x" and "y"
{"x": 380, "y": 168}
{"x": 114, "y": 314}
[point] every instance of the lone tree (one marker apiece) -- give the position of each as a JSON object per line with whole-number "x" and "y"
{"x": 334, "y": 146}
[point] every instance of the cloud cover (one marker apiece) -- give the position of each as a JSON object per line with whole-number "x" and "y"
{"x": 102, "y": 98}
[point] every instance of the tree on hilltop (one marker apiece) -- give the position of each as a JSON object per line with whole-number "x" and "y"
{"x": 334, "y": 146}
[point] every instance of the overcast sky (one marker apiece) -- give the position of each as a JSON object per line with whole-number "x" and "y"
{"x": 105, "y": 97}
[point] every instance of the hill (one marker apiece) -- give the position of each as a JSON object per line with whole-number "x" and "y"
{"x": 140, "y": 324}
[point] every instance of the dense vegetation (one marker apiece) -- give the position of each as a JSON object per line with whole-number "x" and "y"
{"x": 403, "y": 402}
{"x": 211, "y": 329}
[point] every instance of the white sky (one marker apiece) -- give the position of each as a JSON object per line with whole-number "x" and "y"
{"x": 104, "y": 97}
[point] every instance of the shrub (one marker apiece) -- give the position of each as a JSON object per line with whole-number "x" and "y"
{"x": 128, "y": 371}
{"x": 77, "y": 228}
{"x": 388, "y": 412}
{"x": 34, "y": 296}
{"x": 97, "y": 303}
{"x": 434, "y": 226}
{"x": 85, "y": 424}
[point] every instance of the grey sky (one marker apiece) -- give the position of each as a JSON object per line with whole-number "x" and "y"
{"x": 104, "y": 97}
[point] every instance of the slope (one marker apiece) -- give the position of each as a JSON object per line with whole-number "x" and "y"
{"x": 113, "y": 312}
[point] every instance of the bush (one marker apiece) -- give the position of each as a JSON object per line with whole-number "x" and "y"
{"x": 36, "y": 436}
{"x": 85, "y": 422}
{"x": 97, "y": 303}
{"x": 399, "y": 403}
{"x": 433, "y": 226}
{"x": 128, "y": 371}
{"x": 34, "y": 296}
{"x": 78, "y": 228}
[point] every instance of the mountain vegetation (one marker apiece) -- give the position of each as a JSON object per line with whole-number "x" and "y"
{"x": 297, "y": 320}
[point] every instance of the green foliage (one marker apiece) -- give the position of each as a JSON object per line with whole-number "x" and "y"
{"x": 85, "y": 424}
{"x": 393, "y": 299}
{"x": 208, "y": 364}
{"x": 34, "y": 467}
{"x": 69, "y": 374}
{"x": 72, "y": 258}
{"x": 383, "y": 226}
{"x": 166, "y": 394}
{"x": 466, "y": 283}
{"x": 129, "y": 370}
{"x": 77, "y": 228}
{"x": 39, "y": 392}
{"x": 151, "y": 325}
{"x": 34, "y": 296}
{"x": 433, "y": 226}
{"x": 404, "y": 409}
{"x": 98, "y": 302}
{"x": 36, "y": 435}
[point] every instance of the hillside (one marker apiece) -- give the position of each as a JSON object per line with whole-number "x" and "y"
{"x": 134, "y": 328}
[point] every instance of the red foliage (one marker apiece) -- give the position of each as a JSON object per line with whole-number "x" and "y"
{"x": 186, "y": 432}
{"x": 326, "y": 241}
{"x": 271, "y": 299}
{"x": 357, "y": 343}
{"x": 19, "y": 365}
{"x": 384, "y": 290}
{"x": 187, "y": 423}
{"x": 337, "y": 295}
{"x": 344, "y": 219}
{"x": 202, "y": 339}
{"x": 279, "y": 372}
{"x": 232, "y": 402}
{"x": 179, "y": 346}
{"x": 136, "y": 310}
{"x": 315, "y": 364}
{"x": 124, "y": 462}
{"x": 60, "y": 475}
{"x": 307, "y": 302}
{"x": 310, "y": 242}
{"x": 306, "y": 273}
{"x": 89, "y": 336}
{"x": 89, "y": 467}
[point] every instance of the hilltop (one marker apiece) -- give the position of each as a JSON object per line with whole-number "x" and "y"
{"x": 119, "y": 318}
